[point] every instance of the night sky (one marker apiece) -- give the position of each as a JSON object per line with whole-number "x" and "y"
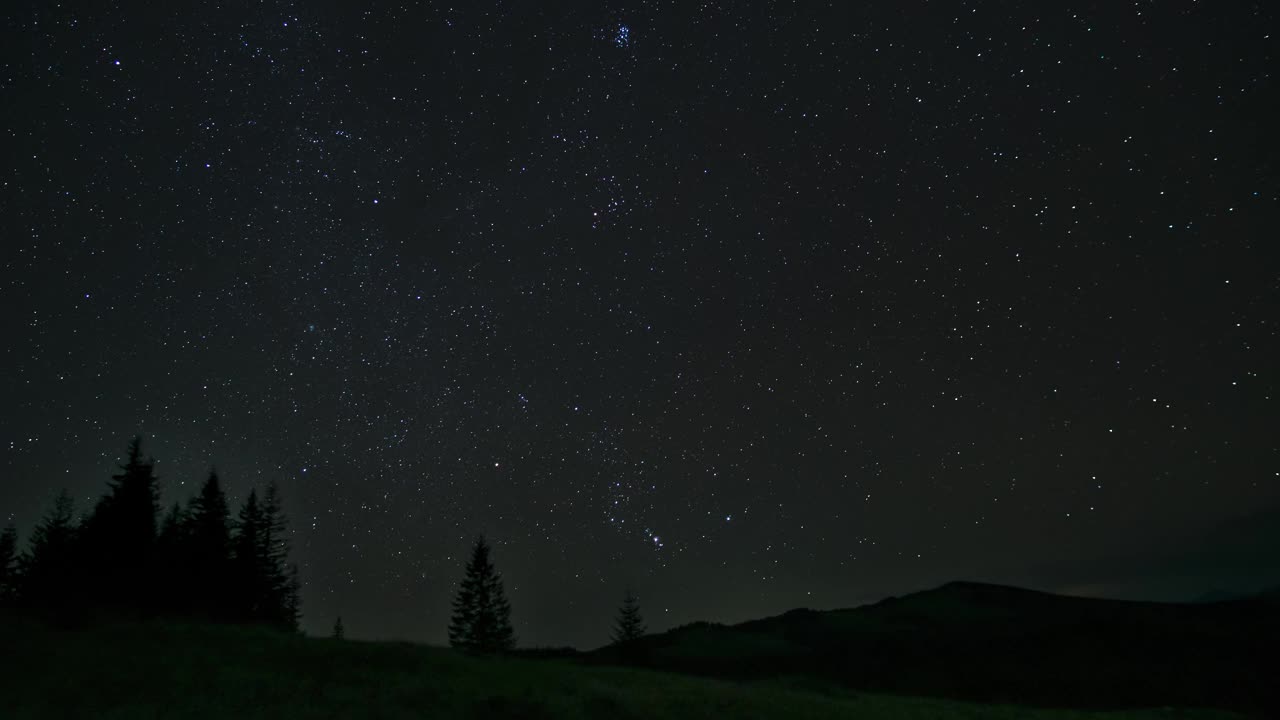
{"x": 744, "y": 306}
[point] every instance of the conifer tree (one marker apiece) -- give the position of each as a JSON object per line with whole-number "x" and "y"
{"x": 247, "y": 593}
{"x": 481, "y": 614}
{"x": 339, "y": 632}
{"x": 208, "y": 542}
{"x": 264, "y": 585}
{"x": 281, "y": 577}
{"x": 292, "y": 610}
{"x": 120, "y": 535}
{"x": 132, "y": 505}
{"x": 48, "y": 568}
{"x": 8, "y": 564}
{"x": 629, "y": 624}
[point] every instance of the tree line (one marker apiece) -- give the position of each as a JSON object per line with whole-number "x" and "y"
{"x": 198, "y": 561}
{"x": 124, "y": 558}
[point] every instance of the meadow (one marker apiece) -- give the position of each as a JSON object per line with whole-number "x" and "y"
{"x": 189, "y": 670}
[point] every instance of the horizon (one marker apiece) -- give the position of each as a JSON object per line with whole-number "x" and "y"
{"x": 1160, "y": 580}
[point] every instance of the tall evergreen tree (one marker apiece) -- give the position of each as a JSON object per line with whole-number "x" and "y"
{"x": 339, "y": 632}
{"x": 208, "y": 542}
{"x": 8, "y": 564}
{"x": 281, "y": 577}
{"x": 481, "y": 614}
{"x": 120, "y": 536}
{"x": 248, "y": 596}
{"x": 49, "y": 569}
{"x": 629, "y": 624}
{"x": 291, "y": 611}
{"x": 265, "y": 585}
{"x": 132, "y": 505}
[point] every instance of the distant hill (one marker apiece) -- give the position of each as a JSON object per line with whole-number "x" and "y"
{"x": 157, "y": 670}
{"x": 1215, "y": 596}
{"x": 993, "y": 643}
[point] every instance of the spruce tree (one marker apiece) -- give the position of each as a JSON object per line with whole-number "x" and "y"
{"x": 291, "y": 614}
{"x": 281, "y": 577}
{"x": 8, "y": 564}
{"x": 208, "y": 542}
{"x": 248, "y": 595}
{"x": 120, "y": 536}
{"x": 264, "y": 586}
{"x": 339, "y": 632}
{"x": 481, "y": 614}
{"x": 629, "y": 624}
{"x": 48, "y": 568}
{"x": 132, "y": 505}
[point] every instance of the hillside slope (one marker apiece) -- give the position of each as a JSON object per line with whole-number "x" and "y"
{"x": 998, "y": 644}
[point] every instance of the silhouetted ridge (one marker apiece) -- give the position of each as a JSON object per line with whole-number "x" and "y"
{"x": 970, "y": 588}
{"x": 995, "y": 643}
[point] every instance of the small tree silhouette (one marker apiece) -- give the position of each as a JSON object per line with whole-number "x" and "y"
{"x": 629, "y": 624}
{"x": 481, "y": 614}
{"x": 8, "y": 564}
{"x": 339, "y": 632}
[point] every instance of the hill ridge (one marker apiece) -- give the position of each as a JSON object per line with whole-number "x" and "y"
{"x": 994, "y": 643}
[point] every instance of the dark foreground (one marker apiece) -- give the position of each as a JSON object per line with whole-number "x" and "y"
{"x": 155, "y": 670}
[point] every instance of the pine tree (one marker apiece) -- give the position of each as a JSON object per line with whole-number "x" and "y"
{"x": 290, "y": 609}
{"x": 481, "y": 614}
{"x": 120, "y": 536}
{"x": 265, "y": 587}
{"x": 48, "y": 568}
{"x": 133, "y": 503}
{"x": 248, "y": 596}
{"x": 281, "y": 579}
{"x": 8, "y": 565}
{"x": 208, "y": 543}
{"x": 339, "y": 632}
{"x": 629, "y": 625}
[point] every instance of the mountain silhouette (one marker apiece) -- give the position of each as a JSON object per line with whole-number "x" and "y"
{"x": 995, "y": 643}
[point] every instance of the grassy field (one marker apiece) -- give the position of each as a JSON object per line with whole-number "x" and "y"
{"x": 194, "y": 671}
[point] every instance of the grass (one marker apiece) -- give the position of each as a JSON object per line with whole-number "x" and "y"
{"x": 197, "y": 671}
